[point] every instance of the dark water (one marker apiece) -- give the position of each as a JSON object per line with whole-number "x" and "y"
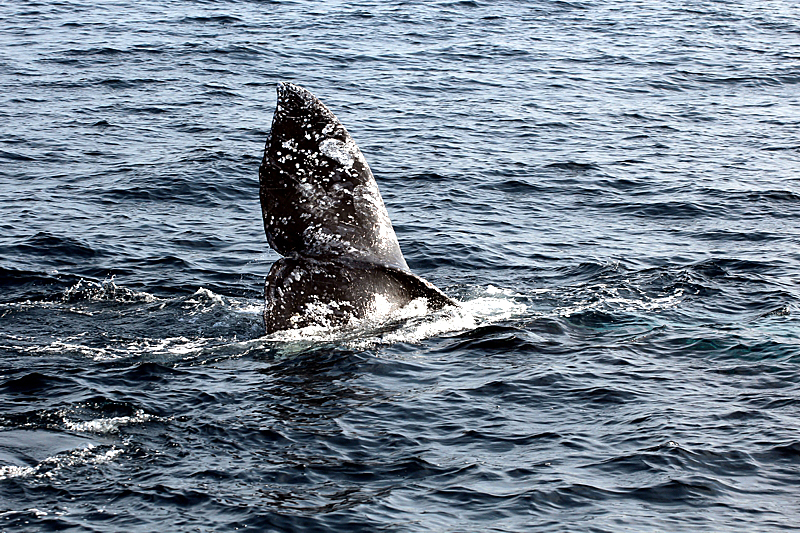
{"x": 612, "y": 189}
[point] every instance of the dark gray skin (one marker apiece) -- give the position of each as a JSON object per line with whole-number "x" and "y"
{"x": 323, "y": 212}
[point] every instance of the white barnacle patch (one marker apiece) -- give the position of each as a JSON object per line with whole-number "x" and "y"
{"x": 313, "y": 197}
{"x": 321, "y": 314}
{"x": 381, "y": 306}
{"x": 368, "y": 201}
{"x": 370, "y": 197}
{"x": 324, "y": 239}
{"x": 338, "y": 190}
{"x": 290, "y": 144}
{"x": 339, "y": 151}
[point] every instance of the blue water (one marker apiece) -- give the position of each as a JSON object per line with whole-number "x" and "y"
{"x": 611, "y": 189}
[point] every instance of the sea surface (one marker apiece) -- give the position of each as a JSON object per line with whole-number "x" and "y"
{"x": 610, "y": 189}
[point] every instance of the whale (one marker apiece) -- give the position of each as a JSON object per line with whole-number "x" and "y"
{"x": 341, "y": 262}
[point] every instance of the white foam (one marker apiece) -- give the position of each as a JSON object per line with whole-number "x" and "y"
{"x": 471, "y": 314}
{"x": 50, "y": 467}
{"x": 106, "y": 425}
{"x": 604, "y": 298}
{"x": 12, "y": 471}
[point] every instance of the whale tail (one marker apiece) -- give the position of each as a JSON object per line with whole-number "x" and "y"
{"x": 323, "y": 212}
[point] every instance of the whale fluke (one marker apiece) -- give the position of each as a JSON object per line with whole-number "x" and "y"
{"x": 323, "y": 212}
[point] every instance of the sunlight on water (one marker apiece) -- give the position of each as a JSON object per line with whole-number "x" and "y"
{"x": 609, "y": 189}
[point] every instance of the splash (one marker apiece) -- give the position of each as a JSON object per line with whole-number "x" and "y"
{"x": 412, "y": 323}
{"x": 106, "y": 290}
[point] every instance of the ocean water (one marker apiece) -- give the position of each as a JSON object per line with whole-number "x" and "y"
{"x": 611, "y": 189}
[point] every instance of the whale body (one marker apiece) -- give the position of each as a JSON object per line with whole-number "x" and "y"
{"x": 324, "y": 214}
